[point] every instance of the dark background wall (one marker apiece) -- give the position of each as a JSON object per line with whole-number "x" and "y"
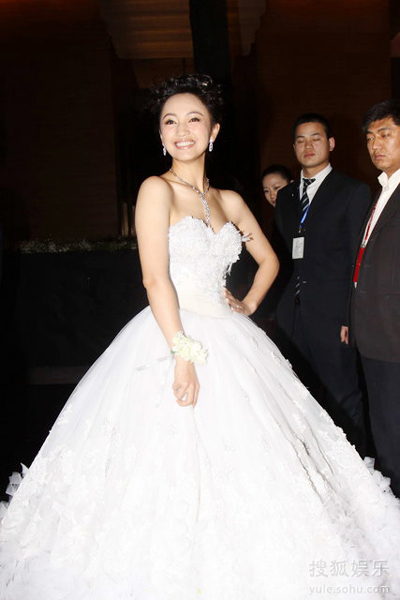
{"x": 58, "y": 173}
{"x": 71, "y": 149}
{"x": 331, "y": 57}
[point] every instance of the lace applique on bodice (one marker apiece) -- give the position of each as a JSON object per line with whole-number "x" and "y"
{"x": 199, "y": 262}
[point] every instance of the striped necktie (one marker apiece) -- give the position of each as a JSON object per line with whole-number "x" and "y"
{"x": 304, "y": 204}
{"x": 304, "y": 200}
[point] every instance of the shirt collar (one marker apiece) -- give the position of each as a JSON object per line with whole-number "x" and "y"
{"x": 389, "y": 183}
{"x": 320, "y": 176}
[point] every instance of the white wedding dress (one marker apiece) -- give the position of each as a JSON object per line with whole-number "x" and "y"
{"x": 253, "y": 495}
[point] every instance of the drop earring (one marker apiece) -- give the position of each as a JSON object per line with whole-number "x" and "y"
{"x": 210, "y": 146}
{"x": 164, "y": 150}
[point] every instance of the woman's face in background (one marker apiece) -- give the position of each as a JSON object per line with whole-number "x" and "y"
{"x": 272, "y": 183}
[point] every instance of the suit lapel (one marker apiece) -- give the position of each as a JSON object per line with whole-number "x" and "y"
{"x": 366, "y": 219}
{"x": 295, "y": 194}
{"x": 392, "y": 205}
{"x": 324, "y": 194}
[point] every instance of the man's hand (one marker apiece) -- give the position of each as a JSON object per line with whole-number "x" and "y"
{"x": 344, "y": 334}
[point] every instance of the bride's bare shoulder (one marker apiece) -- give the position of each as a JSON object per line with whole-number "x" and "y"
{"x": 155, "y": 183}
{"x": 156, "y": 191}
{"x": 232, "y": 203}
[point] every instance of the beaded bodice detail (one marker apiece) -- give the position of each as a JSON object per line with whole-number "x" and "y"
{"x": 200, "y": 260}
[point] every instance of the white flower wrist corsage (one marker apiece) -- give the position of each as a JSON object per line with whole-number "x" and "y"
{"x": 188, "y": 349}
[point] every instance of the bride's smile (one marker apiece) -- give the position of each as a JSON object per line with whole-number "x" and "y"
{"x": 185, "y": 127}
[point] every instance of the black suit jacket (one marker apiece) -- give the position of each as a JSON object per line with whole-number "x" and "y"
{"x": 375, "y": 303}
{"x": 331, "y": 232}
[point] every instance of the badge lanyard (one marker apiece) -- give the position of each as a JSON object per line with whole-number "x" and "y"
{"x": 298, "y": 242}
{"x": 362, "y": 247}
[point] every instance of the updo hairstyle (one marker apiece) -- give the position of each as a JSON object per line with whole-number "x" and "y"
{"x": 201, "y": 86}
{"x": 277, "y": 169}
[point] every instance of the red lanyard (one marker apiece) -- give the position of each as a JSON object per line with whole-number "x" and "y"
{"x": 363, "y": 246}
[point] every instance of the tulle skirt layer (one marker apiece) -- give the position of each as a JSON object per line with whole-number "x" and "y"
{"x": 253, "y": 495}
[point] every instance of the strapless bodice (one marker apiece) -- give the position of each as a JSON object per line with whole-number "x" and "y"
{"x": 200, "y": 260}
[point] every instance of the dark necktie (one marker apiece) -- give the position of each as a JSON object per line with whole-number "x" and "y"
{"x": 304, "y": 204}
{"x": 304, "y": 200}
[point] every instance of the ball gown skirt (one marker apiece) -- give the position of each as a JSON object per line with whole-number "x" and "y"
{"x": 253, "y": 495}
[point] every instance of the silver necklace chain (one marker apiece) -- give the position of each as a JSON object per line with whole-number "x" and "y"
{"x": 201, "y": 194}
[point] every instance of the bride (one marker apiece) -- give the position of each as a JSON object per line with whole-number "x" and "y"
{"x": 190, "y": 462}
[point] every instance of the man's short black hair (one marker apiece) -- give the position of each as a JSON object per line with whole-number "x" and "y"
{"x": 312, "y": 118}
{"x": 382, "y": 110}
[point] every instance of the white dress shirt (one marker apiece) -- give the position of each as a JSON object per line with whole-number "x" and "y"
{"x": 313, "y": 187}
{"x": 389, "y": 184}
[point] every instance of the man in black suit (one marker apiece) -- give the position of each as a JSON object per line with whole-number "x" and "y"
{"x": 375, "y": 298}
{"x": 319, "y": 217}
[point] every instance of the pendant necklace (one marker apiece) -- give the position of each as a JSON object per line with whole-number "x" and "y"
{"x": 201, "y": 194}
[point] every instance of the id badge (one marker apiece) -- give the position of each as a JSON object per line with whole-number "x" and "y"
{"x": 298, "y": 248}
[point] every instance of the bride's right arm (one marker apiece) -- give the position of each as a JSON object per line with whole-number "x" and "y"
{"x": 152, "y": 220}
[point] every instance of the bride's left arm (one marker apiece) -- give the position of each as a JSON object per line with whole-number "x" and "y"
{"x": 260, "y": 249}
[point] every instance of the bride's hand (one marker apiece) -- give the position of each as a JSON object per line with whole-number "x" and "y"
{"x": 237, "y": 305}
{"x": 186, "y": 386}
